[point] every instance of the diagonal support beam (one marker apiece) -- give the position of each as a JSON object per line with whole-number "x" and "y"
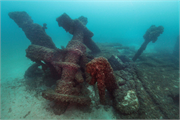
{"x": 34, "y": 32}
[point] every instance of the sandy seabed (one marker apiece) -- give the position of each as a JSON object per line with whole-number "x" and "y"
{"x": 17, "y": 103}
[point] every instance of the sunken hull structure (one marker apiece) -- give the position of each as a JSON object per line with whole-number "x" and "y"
{"x": 90, "y": 74}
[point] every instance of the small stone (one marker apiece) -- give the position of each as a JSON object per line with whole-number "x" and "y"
{"x": 121, "y": 82}
{"x": 129, "y": 103}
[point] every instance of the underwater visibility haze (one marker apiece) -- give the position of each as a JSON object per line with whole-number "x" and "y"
{"x": 90, "y": 59}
